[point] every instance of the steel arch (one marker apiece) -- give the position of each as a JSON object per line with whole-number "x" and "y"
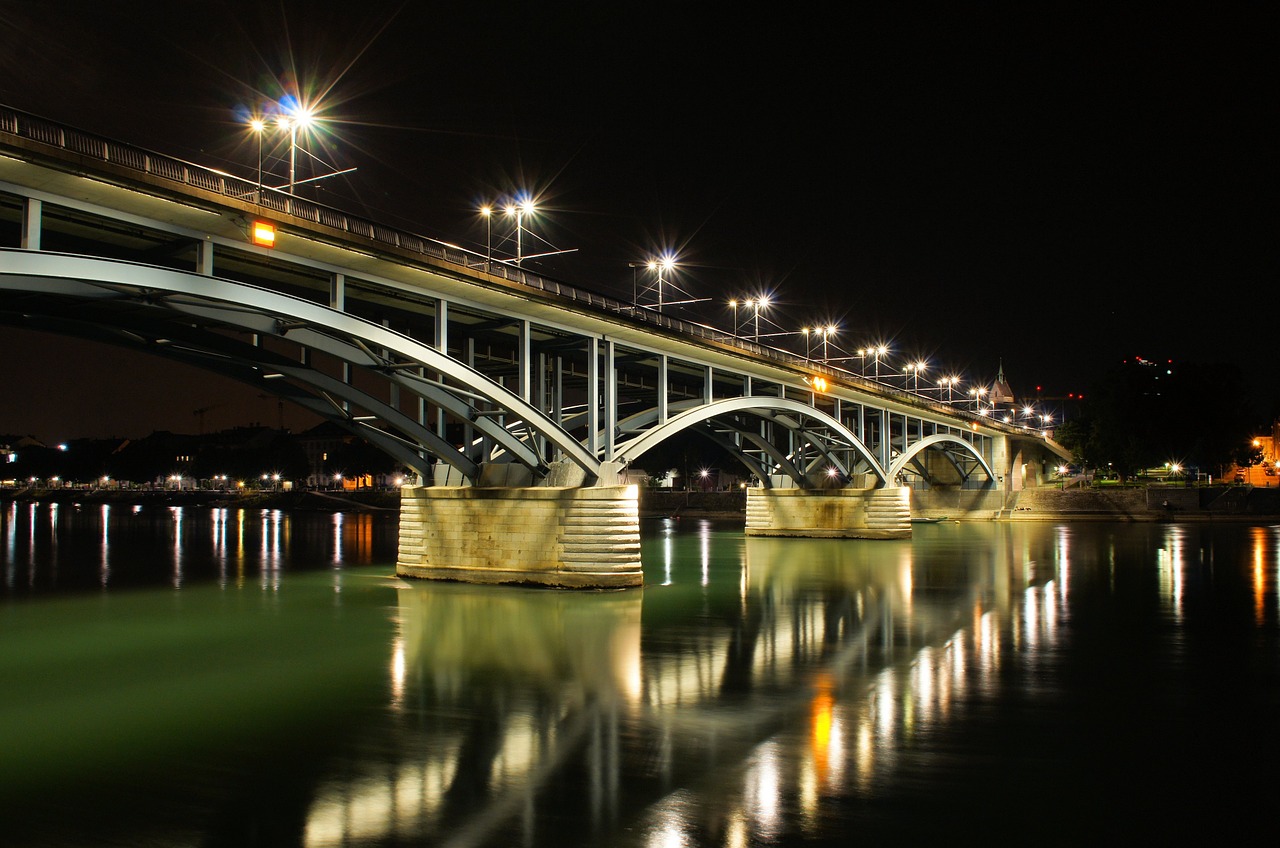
{"x": 916, "y": 448}
{"x": 765, "y": 407}
{"x": 217, "y": 302}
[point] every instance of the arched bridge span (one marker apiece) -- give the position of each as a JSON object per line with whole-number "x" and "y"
{"x": 223, "y": 326}
{"x": 960, "y": 455}
{"x": 753, "y": 428}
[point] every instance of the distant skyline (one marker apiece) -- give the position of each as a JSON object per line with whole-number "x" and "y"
{"x": 1051, "y": 190}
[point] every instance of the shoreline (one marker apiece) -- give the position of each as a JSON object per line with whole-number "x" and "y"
{"x": 1234, "y": 505}
{"x": 310, "y": 501}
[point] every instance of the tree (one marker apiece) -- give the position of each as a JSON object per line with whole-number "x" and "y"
{"x": 1143, "y": 414}
{"x": 357, "y": 458}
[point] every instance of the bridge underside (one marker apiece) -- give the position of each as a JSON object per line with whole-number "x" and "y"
{"x": 412, "y": 401}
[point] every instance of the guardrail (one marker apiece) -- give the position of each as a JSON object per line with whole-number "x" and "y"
{"x": 25, "y": 125}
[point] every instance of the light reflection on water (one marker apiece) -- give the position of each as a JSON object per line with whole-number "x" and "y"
{"x": 757, "y": 691}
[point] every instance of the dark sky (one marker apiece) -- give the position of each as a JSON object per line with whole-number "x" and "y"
{"x": 1052, "y": 188}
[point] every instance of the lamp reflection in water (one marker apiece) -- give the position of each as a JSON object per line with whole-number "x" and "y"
{"x": 825, "y": 667}
{"x": 530, "y": 679}
{"x": 104, "y": 567}
{"x": 885, "y": 662}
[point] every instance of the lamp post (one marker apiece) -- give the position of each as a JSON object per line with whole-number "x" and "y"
{"x": 879, "y": 352}
{"x": 635, "y": 291}
{"x": 807, "y": 350}
{"x": 299, "y": 118}
{"x": 733, "y": 304}
{"x": 666, "y": 263}
{"x": 284, "y": 123}
{"x": 486, "y": 212}
{"x": 827, "y": 332}
{"x": 258, "y": 126}
{"x": 914, "y": 370}
{"x": 758, "y": 303}
{"x": 518, "y": 211}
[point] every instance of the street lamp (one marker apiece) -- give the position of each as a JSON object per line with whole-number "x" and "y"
{"x": 258, "y": 126}
{"x": 807, "y": 350}
{"x": 733, "y": 304}
{"x": 912, "y": 370}
{"x": 878, "y": 352}
{"x": 666, "y": 263}
{"x": 486, "y": 212}
{"x": 827, "y": 332}
{"x": 301, "y": 119}
{"x": 518, "y": 211}
{"x": 758, "y": 303}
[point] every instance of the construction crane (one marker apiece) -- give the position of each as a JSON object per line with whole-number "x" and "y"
{"x": 199, "y": 413}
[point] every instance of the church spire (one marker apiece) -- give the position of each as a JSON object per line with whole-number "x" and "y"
{"x": 1000, "y": 392}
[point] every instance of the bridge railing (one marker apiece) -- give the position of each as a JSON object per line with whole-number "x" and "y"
{"x": 25, "y": 125}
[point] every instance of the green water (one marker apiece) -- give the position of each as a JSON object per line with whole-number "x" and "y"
{"x": 214, "y": 678}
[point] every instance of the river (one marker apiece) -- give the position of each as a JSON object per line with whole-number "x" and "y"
{"x": 211, "y": 677}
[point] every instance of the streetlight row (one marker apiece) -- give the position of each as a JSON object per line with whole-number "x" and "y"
{"x": 293, "y": 118}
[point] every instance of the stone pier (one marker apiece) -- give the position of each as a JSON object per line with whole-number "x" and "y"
{"x": 571, "y": 537}
{"x": 830, "y": 513}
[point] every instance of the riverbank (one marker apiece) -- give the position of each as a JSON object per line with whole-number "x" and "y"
{"x": 310, "y": 501}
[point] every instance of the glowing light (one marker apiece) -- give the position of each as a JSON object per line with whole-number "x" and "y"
{"x": 264, "y": 234}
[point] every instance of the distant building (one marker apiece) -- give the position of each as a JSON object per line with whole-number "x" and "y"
{"x": 321, "y": 445}
{"x": 1000, "y": 391}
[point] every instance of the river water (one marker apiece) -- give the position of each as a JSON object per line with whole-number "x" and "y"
{"x": 212, "y": 677}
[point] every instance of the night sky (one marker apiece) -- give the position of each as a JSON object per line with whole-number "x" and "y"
{"x": 1056, "y": 189}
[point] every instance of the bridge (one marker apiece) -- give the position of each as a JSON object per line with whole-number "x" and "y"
{"x": 518, "y": 401}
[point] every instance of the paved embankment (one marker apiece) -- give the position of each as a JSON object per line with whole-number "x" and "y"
{"x": 1155, "y": 503}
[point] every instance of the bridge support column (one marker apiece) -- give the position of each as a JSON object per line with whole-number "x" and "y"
{"x": 581, "y": 538}
{"x": 830, "y": 513}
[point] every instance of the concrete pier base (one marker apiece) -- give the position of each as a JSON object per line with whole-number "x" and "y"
{"x": 830, "y": 513}
{"x": 585, "y": 538}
